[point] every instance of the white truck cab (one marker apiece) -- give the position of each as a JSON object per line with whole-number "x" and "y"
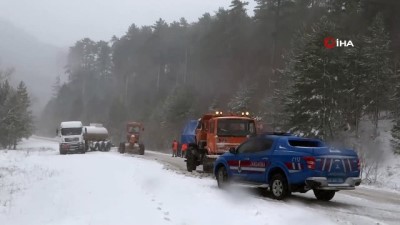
{"x": 71, "y": 139}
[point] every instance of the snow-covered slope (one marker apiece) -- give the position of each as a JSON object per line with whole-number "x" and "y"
{"x": 389, "y": 169}
{"x": 41, "y": 187}
{"x": 380, "y": 167}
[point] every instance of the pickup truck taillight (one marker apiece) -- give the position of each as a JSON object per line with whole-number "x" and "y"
{"x": 310, "y": 161}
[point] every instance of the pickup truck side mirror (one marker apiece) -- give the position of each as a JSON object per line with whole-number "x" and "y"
{"x": 232, "y": 150}
{"x": 85, "y": 130}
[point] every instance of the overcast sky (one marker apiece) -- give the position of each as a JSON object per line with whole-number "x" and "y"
{"x": 62, "y": 22}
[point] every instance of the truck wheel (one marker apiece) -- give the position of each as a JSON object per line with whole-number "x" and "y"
{"x": 190, "y": 163}
{"x": 97, "y": 147}
{"x": 279, "y": 187}
{"x": 121, "y": 148}
{"x": 141, "y": 149}
{"x": 324, "y": 195}
{"x": 222, "y": 177}
{"x": 62, "y": 152}
{"x": 108, "y": 146}
{"x": 207, "y": 165}
{"x": 102, "y": 147}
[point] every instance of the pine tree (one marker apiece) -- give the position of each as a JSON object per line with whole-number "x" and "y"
{"x": 355, "y": 85}
{"x": 177, "y": 106}
{"x": 316, "y": 78}
{"x": 23, "y": 124}
{"x": 396, "y": 109}
{"x": 238, "y": 7}
{"x": 242, "y": 99}
{"x": 5, "y": 92}
{"x": 261, "y": 9}
{"x": 378, "y": 67}
{"x": 56, "y": 86}
{"x": 10, "y": 120}
{"x": 396, "y": 137}
{"x": 396, "y": 95}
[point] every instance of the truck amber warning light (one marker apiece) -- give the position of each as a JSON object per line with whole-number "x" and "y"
{"x": 331, "y": 42}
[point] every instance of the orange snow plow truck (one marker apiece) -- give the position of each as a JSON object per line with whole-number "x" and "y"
{"x": 215, "y": 134}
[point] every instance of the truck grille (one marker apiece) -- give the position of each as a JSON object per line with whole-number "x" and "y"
{"x": 71, "y": 139}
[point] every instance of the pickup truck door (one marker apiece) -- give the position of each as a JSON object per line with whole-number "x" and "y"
{"x": 241, "y": 159}
{"x": 252, "y": 160}
{"x": 255, "y": 161}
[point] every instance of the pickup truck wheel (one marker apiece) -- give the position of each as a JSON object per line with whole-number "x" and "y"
{"x": 324, "y": 195}
{"x": 279, "y": 187}
{"x": 222, "y": 177}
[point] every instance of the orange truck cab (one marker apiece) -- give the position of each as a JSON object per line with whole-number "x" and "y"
{"x": 215, "y": 135}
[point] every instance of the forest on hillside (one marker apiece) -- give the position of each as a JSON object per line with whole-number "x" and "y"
{"x": 273, "y": 64}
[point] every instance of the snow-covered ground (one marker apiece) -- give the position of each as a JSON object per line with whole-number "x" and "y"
{"x": 39, "y": 186}
{"x": 388, "y": 168}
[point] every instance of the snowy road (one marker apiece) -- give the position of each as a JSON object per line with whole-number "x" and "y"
{"x": 38, "y": 186}
{"x": 364, "y": 205}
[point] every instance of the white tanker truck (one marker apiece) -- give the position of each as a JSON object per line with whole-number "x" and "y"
{"x": 74, "y": 137}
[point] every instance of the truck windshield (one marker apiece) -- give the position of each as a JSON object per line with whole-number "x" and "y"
{"x": 134, "y": 129}
{"x": 71, "y": 131}
{"x": 235, "y": 127}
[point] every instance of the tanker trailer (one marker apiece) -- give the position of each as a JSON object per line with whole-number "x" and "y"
{"x": 96, "y": 138}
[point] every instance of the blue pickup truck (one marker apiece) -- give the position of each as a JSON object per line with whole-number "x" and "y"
{"x": 284, "y": 164}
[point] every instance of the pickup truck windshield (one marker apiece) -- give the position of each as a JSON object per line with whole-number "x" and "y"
{"x": 235, "y": 127}
{"x": 71, "y": 131}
